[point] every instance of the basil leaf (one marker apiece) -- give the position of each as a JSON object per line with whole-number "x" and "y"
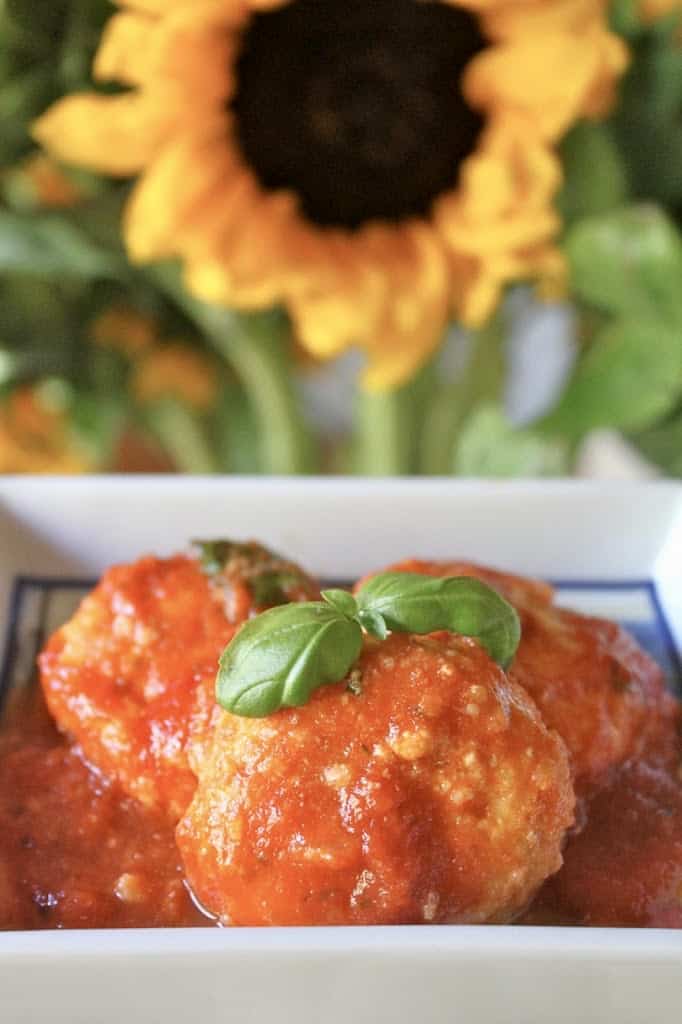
{"x": 374, "y": 623}
{"x": 412, "y": 603}
{"x": 270, "y": 588}
{"x": 342, "y": 600}
{"x": 279, "y": 658}
{"x": 271, "y": 579}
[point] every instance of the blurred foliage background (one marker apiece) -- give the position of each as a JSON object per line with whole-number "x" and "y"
{"x": 109, "y": 367}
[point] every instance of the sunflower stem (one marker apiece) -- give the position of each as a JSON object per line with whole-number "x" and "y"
{"x": 256, "y": 346}
{"x": 454, "y": 399}
{"x": 180, "y": 432}
{"x": 388, "y": 425}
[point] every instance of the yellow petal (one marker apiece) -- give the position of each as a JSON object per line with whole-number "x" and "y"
{"x": 257, "y": 254}
{"x": 115, "y": 135}
{"x": 178, "y": 195}
{"x": 160, "y": 7}
{"x": 192, "y": 58}
{"x": 414, "y": 319}
{"x": 123, "y": 50}
{"x": 529, "y": 17}
{"x": 341, "y": 301}
{"x": 603, "y": 92}
{"x": 523, "y": 75}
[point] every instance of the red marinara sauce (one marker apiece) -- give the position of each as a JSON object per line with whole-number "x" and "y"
{"x": 75, "y": 851}
{"x": 624, "y": 868}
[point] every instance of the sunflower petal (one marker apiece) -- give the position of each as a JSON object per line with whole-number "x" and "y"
{"x": 160, "y": 7}
{"x": 509, "y": 75}
{"x": 249, "y": 268}
{"x": 123, "y": 50}
{"x": 415, "y": 317}
{"x": 183, "y": 186}
{"x": 115, "y": 135}
{"x": 193, "y": 56}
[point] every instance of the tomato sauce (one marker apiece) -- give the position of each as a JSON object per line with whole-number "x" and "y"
{"x": 624, "y": 868}
{"x": 75, "y": 851}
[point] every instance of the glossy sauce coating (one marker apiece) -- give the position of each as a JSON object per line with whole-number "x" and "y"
{"x": 75, "y": 851}
{"x": 589, "y": 678}
{"x": 434, "y": 794}
{"x": 120, "y": 677}
{"x": 625, "y": 867}
{"x": 593, "y": 684}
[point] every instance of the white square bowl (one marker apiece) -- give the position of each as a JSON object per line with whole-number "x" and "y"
{"x": 617, "y": 535}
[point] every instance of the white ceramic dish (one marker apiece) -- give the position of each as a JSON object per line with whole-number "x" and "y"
{"x": 618, "y": 535}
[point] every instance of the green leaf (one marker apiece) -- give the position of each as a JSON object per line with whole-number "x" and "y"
{"x": 489, "y": 446}
{"x": 628, "y": 262}
{"x": 624, "y": 16}
{"x": 279, "y": 658}
{"x": 480, "y": 380}
{"x": 630, "y": 377}
{"x": 51, "y": 245}
{"x": 234, "y": 430}
{"x": 412, "y": 603}
{"x": 272, "y": 579}
{"x": 663, "y": 445}
{"x": 373, "y": 623}
{"x": 183, "y": 435}
{"x": 341, "y": 600}
{"x": 595, "y": 179}
{"x": 646, "y": 122}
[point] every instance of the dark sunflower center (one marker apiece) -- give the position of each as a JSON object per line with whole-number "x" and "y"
{"x": 356, "y": 105}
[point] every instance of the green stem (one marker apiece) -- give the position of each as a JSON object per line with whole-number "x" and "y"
{"x": 181, "y": 435}
{"x": 388, "y": 427}
{"x": 256, "y": 347}
{"x": 453, "y": 400}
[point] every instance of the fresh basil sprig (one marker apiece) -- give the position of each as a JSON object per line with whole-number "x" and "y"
{"x": 272, "y": 580}
{"x": 278, "y": 658}
{"x": 409, "y": 602}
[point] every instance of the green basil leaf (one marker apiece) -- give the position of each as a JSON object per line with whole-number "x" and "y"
{"x": 271, "y": 579}
{"x": 213, "y": 554}
{"x": 412, "y": 603}
{"x": 342, "y": 600}
{"x": 279, "y": 658}
{"x": 374, "y": 623}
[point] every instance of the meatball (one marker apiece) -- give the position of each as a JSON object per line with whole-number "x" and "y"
{"x": 589, "y": 678}
{"x": 130, "y": 677}
{"x": 423, "y": 789}
{"x": 625, "y": 867}
{"x": 593, "y": 684}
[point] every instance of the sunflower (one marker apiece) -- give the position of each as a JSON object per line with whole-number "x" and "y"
{"x": 375, "y": 167}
